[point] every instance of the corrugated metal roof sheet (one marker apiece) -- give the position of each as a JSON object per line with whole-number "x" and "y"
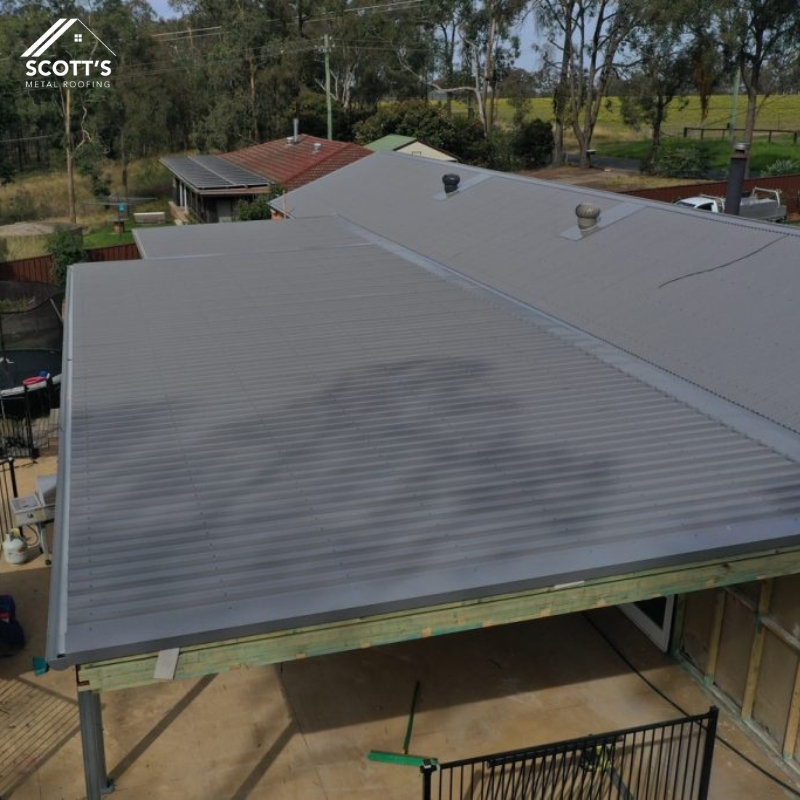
{"x": 262, "y": 236}
{"x": 211, "y": 172}
{"x": 248, "y": 449}
{"x": 394, "y": 141}
{"x": 294, "y": 163}
{"x": 708, "y": 297}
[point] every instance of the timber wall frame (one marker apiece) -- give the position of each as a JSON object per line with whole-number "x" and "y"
{"x": 766, "y": 697}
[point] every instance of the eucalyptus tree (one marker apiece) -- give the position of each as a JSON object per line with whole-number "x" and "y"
{"x": 764, "y": 36}
{"x": 131, "y": 119}
{"x": 245, "y": 62}
{"x": 487, "y": 46}
{"x": 589, "y": 37}
{"x": 362, "y": 39}
{"x": 662, "y": 57}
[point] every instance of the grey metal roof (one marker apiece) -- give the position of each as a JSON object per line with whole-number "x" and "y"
{"x": 212, "y": 172}
{"x": 243, "y": 237}
{"x": 354, "y": 430}
{"x": 711, "y": 298}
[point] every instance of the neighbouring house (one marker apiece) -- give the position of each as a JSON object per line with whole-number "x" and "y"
{"x": 410, "y": 146}
{"x": 413, "y": 409}
{"x": 209, "y": 186}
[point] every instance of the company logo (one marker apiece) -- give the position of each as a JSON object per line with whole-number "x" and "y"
{"x": 72, "y": 72}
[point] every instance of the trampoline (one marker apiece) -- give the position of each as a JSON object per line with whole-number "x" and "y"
{"x": 31, "y": 333}
{"x": 19, "y": 368}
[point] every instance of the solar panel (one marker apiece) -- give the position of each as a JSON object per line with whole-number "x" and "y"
{"x": 211, "y": 172}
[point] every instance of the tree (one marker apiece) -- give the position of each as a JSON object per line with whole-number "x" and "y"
{"x": 532, "y": 143}
{"x": 66, "y": 247}
{"x": 663, "y": 72}
{"x": 588, "y": 35}
{"x": 488, "y": 48}
{"x": 427, "y": 122}
{"x": 761, "y": 33}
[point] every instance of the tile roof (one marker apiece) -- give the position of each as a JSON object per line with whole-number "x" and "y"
{"x": 294, "y": 163}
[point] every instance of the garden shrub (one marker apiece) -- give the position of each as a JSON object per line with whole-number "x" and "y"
{"x": 532, "y": 143}
{"x": 257, "y": 208}
{"x": 680, "y": 161}
{"x": 66, "y": 247}
{"x": 783, "y": 166}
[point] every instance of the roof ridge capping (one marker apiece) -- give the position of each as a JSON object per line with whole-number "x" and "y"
{"x": 757, "y": 427}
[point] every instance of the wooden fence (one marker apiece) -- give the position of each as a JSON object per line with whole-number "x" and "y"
{"x": 38, "y": 268}
{"x": 789, "y": 185}
{"x": 725, "y": 133}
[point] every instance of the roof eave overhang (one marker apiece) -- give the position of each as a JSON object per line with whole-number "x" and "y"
{"x": 235, "y": 191}
{"x": 370, "y": 631}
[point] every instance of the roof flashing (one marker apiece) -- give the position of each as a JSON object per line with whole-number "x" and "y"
{"x": 607, "y": 218}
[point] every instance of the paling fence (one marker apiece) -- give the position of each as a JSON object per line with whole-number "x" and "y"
{"x": 664, "y": 761}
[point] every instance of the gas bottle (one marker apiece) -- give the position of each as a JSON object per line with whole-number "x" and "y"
{"x": 15, "y": 548}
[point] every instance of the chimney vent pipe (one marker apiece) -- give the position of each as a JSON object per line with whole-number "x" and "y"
{"x": 587, "y": 215}
{"x": 738, "y": 168}
{"x": 450, "y": 181}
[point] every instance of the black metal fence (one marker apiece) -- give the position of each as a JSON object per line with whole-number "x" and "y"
{"x": 666, "y": 761}
{"x": 29, "y": 419}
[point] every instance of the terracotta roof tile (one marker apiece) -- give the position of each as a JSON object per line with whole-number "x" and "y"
{"x": 296, "y": 164}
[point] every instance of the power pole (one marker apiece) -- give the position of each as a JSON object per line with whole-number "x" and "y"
{"x": 327, "y": 50}
{"x": 734, "y": 100}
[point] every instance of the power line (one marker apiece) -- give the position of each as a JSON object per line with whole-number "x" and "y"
{"x": 186, "y": 31}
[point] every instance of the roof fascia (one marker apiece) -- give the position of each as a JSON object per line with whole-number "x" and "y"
{"x": 372, "y": 631}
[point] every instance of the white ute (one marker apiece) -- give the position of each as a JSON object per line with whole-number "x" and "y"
{"x": 760, "y": 204}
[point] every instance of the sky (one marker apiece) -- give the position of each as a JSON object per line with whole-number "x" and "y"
{"x": 528, "y": 59}
{"x": 161, "y": 7}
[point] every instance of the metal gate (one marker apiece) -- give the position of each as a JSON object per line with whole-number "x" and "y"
{"x": 29, "y": 419}
{"x": 665, "y": 761}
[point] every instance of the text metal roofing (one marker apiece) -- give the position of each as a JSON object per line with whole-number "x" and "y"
{"x": 212, "y": 172}
{"x": 248, "y": 449}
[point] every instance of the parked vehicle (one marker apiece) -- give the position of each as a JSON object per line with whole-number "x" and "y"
{"x": 760, "y": 204}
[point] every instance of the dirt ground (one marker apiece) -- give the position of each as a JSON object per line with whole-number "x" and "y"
{"x": 608, "y": 179}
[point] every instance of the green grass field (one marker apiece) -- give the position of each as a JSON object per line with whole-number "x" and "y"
{"x": 776, "y": 112}
{"x": 780, "y": 112}
{"x": 613, "y": 137}
{"x": 103, "y": 235}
